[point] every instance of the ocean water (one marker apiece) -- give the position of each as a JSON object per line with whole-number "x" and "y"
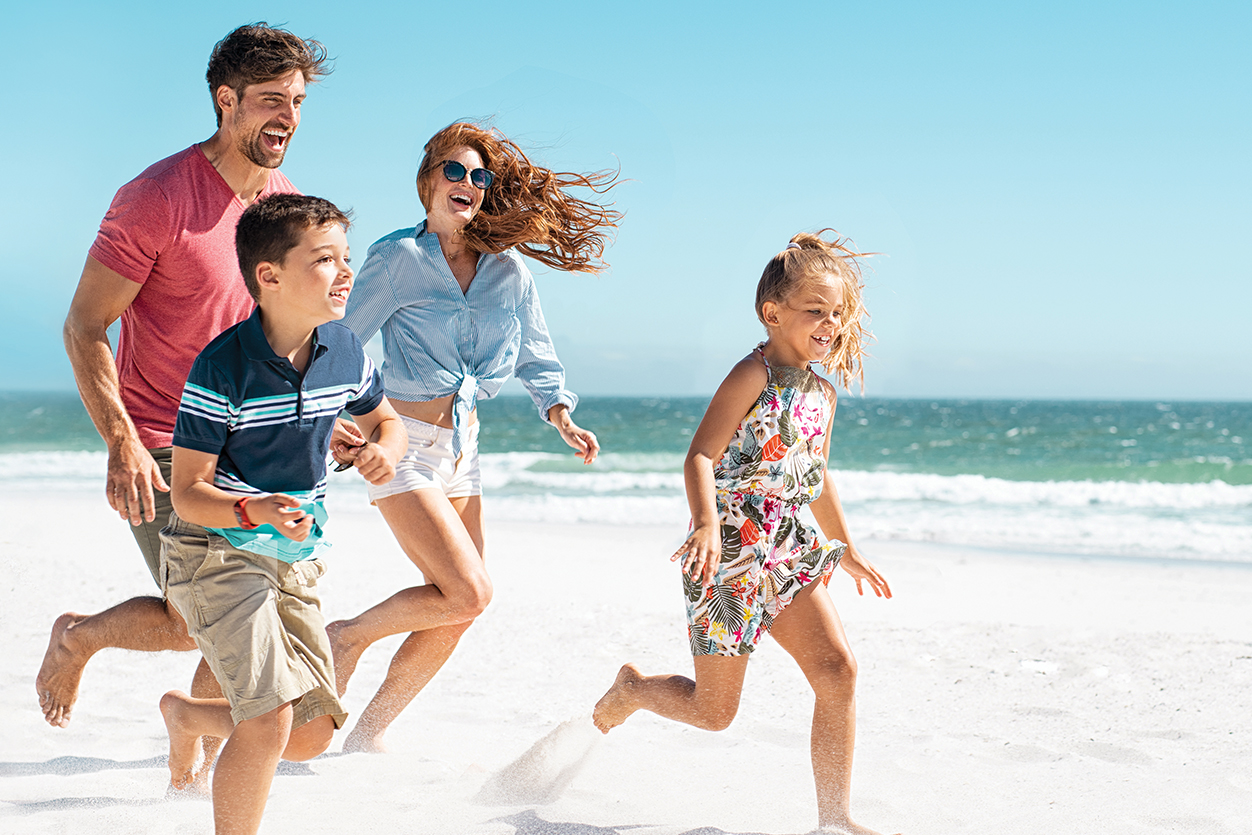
{"x": 1133, "y": 479}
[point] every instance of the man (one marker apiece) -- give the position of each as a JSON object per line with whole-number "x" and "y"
{"x": 164, "y": 262}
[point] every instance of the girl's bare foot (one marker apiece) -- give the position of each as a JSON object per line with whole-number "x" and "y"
{"x": 345, "y": 653}
{"x": 616, "y": 705}
{"x": 61, "y": 671}
{"x": 188, "y": 768}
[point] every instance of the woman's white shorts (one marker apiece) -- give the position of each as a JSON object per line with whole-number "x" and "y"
{"x": 428, "y": 462}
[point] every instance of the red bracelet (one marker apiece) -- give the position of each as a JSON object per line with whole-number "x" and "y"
{"x": 241, "y": 514}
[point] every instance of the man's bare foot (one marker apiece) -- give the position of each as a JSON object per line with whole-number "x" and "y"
{"x": 188, "y": 767}
{"x": 616, "y": 705}
{"x": 845, "y": 827}
{"x": 61, "y": 671}
{"x": 344, "y": 652}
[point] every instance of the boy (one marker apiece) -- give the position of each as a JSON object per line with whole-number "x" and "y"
{"x": 239, "y": 557}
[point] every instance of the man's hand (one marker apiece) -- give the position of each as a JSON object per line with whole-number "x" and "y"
{"x": 132, "y": 477}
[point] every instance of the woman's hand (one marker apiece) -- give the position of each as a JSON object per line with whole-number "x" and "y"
{"x": 703, "y": 550}
{"x": 861, "y": 569}
{"x": 374, "y": 464}
{"x": 583, "y": 441}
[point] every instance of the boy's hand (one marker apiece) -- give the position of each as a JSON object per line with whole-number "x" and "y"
{"x": 345, "y": 441}
{"x": 703, "y": 549}
{"x": 283, "y": 512}
{"x": 374, "y": 463}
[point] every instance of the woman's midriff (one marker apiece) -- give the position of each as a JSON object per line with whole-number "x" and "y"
{"x": 437, "y": 412}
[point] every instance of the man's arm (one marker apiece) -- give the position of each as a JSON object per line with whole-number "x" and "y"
{"x": 102, "y": 296}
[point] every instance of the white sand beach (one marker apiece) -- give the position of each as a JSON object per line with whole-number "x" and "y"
{"x": 998, "y": 693}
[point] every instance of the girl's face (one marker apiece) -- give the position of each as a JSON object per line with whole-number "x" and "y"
{"x": 452, "y": 205}
{"x": 803, "y": 327}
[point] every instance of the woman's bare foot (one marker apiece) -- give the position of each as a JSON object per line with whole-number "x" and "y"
{"x": 615, "y": 706}
{"x": 61, "y": 671}
{"x": 345, "y": 653}
{"x": 188, "y": 768}
{"x": 845, "y": 827}
{"x": 364, "y": 740}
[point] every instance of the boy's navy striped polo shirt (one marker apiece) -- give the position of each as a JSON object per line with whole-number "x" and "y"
{"x": 270, "y": 426}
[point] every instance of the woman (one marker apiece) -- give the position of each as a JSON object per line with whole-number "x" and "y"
{"x": 460, "y": 314}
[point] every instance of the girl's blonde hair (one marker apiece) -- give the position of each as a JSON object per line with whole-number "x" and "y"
{"x": 527, "y": 207}
{"x": 810, "y": 257}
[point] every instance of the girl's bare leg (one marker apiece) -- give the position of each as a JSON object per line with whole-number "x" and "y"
{"x": 709, "y": 702}
{"x": 444, "y": 539}
{"x": 811, "y": 632}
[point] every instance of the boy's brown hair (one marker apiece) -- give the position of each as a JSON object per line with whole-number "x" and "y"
{"x": 271, "y": 227}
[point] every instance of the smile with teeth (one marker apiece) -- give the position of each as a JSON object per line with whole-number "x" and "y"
{"x": 463, "y": 199}
{"x": 341, "y": 294}
{"x": 276, "y": 136}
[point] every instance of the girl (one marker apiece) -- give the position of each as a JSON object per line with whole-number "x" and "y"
{"x": 459, "y": 312}
{"x": 750, "y": 565}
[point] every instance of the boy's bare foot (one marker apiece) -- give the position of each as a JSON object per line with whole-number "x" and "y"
{"x": 187, "y": 762}
{"x": 344, "y": 653}
{"x": 364, "y": 741}
{"x": 616, "y": 705}
{"x": 61, "y": 671}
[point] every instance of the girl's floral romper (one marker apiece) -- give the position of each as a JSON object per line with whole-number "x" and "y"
{"x": 774, "y": 466}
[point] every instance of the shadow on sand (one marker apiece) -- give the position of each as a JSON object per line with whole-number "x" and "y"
{"x": 62, "y": 804}
{"x": 529, "y": 823}
{"x": 70, "y": 766}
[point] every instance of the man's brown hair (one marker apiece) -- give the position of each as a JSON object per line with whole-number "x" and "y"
{"x": 256, "y": 53}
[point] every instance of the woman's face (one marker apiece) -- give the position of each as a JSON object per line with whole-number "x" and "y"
{"x": 453, "y": 205}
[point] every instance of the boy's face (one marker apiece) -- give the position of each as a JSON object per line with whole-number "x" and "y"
{"x": 314, "y": 279}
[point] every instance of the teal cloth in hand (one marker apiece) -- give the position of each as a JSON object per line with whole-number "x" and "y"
{"x": 267, "y": 541}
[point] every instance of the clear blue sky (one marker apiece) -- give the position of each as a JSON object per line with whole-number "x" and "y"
{"x": 1063, "y": 190}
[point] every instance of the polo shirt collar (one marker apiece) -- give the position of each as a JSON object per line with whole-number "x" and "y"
{"x": 257, "y": 348}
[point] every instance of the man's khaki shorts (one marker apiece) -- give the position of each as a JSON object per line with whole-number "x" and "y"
{"x": 258, "y": 621}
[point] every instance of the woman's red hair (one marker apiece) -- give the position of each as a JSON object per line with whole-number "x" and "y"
{"x": 527, "y": 206}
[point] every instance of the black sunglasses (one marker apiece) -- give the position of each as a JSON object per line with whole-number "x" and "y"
{"x": 454, "y": 172}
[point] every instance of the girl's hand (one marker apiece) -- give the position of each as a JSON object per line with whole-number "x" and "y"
{"x": 580, "y": 439}
{"x": 703, "y": 549}
{"x": 283, "y": 512}
{"x": 374, "y": 463}
{"x": 861, "y": 569}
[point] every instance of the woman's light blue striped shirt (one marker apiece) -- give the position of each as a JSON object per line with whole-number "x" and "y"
{"x": 439, "y": 341}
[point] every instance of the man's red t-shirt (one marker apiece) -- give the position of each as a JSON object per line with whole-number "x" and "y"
{"x": 172, "y": 230}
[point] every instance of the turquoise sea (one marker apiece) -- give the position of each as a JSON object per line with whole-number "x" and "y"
{"x": 1137, "y": 479}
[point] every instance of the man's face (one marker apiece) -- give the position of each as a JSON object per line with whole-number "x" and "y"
{"x": 263, "y": 120}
